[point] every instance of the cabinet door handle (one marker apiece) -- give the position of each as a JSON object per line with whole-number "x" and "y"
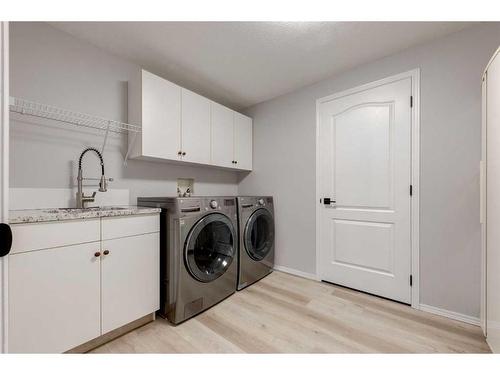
{"x": 179, "y": 153}
{"x": 106, "y": 252}
{"x": 97, "y": 254}
{"x": 183, "y": 153}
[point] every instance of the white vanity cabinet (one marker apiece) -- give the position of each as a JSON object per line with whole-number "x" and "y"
{"x": 54, "y": 298}
{"x": 181, "y": 126}
{"x": 69, "y": 293}
{"x": 130, "y": 269}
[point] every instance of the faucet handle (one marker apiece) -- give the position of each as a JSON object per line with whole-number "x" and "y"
{"x": 103, "y": 185}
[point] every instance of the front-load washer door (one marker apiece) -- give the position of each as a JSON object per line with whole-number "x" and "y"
{"x": 210, "y": 247}
{"x": 259, "y": 234}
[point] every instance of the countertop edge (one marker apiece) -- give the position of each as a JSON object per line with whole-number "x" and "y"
{"x": 17, "y": 217}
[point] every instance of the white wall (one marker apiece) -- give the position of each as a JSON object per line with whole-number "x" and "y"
{"x": 284, "y": 162}
{"x": 52, "y": 67}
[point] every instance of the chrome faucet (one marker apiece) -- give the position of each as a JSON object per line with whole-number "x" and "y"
{"x": 81, "y": 198}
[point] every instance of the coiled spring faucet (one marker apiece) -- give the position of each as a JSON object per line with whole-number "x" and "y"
{"x": 81, "y": 198}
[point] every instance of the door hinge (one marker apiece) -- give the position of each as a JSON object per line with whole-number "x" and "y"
{"x": 411, "y": 190}
{"x": 411, "y": 280}
{"x": 411, "y": 101}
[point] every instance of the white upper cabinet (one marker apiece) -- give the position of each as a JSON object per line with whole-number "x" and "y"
{"x": 195, "y": 138}
{"x": 155, "y": 103}
{"x": 182, "y": 126}
{"x": 222, "y": 136}
{"x": 243, "y": 141}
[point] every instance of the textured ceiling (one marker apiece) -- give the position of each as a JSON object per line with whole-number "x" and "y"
{"x": 243, "y": 63}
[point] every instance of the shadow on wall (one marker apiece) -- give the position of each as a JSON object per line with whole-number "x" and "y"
{"x": 151, "y": 170}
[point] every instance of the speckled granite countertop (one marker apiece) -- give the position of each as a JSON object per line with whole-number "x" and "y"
{"x": 61, "y": 214}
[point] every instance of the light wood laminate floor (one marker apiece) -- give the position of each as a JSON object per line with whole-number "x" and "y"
{"x": 288, "y": 314}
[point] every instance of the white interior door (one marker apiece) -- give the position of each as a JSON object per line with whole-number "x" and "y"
{"x": 4, "y": 176}
{"x": 365, "y": 169}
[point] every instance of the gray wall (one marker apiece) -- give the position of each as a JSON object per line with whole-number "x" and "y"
{"x": 284, "y": 162}
{"x": 52, "y": 67}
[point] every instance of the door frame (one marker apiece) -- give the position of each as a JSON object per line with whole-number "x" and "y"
{"x": 414, "y": 75}
{"x": 4, "y": 177}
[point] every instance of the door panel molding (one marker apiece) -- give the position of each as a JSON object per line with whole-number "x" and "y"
{"x": 414, "y": 102}
{"x": 387, "y": 180}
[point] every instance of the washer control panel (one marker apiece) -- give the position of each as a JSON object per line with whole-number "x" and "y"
{"x": 214, "y": 204}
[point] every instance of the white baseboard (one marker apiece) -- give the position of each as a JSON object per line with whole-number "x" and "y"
{"x": 450, "y": 314}
{"x": 291, "y": 271}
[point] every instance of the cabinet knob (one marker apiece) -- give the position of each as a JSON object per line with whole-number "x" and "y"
{"x": 183, "y": 153}
{"x": 236, "y": 162}
{"x": 97, "y": 254}
{"x": 179, "y": 153}
{"x": 106, "y": 252}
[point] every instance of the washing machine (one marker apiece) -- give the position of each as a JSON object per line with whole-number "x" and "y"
{"x": 256, "y": 239}
{"x": 198, "y": 255}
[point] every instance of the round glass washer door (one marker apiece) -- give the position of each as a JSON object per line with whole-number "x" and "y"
{"x": 259, "y": 234}
{"x": 209, "y": 249}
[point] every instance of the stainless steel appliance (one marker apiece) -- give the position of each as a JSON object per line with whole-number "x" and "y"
{"x": 256, "y": 238}
{"x": 198, "y": 257}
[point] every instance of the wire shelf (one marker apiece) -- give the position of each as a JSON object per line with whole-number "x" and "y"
{"x": 26, "y": 107}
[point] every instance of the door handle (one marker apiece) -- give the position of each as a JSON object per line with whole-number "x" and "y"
{"x": 5, "y": 239}
{"x": 328, "y": 201}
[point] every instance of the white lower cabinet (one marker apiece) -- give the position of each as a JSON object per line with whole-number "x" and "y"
{"x": 65, "y": 296}
{"x": 54, "y": 299}
{"x": 130, "y": 279}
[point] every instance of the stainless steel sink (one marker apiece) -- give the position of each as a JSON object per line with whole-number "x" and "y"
{"x": 67, "y": 210}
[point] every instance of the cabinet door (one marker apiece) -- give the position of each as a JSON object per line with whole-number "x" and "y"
{"x": 222, "y": 120}
{"x": 130, "y": 279}
{"x": 243, "y": 141}
{"x": 54, "y": 299}
{"x": 161, "y": 117}
{"x": 195, "y": 128}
